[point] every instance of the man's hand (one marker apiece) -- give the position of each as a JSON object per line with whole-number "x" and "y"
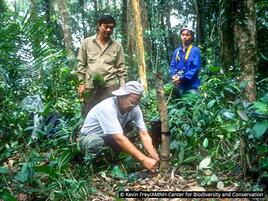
{"x": 155, "y": 155}
{"x": 81, "y": 90}
{"x": 150, "y": 163}
{"x": 176, "y": 79}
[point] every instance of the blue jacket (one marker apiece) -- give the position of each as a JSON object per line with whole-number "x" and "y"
{"x": 187, "y": 70}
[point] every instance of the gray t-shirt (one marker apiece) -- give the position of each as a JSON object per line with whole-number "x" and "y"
{"x": 105, "y": 118}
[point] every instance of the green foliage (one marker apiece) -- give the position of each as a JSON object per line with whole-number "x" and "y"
{"x": 206, "y": 129}
{"x": 31, "y": 66}
{"x": 98, "y": 81}
{"x": 212, "y": 124}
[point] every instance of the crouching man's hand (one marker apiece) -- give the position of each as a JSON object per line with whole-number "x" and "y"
{"x": 150, "y": 163}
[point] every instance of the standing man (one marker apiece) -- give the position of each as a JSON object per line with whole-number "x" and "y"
{"x": 105, "y": 122}
{"x": 101, "y": 65}
{"x": 186, "y": 64}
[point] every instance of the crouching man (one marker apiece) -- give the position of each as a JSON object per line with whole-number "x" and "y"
{"x": 105, "y": 122}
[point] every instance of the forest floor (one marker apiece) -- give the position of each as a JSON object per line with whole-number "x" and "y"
{"x": 107, "y": 188}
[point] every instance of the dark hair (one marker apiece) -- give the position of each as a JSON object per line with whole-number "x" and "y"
{"x": 105, "y": 19}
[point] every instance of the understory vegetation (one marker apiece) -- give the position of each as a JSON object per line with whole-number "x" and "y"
{"x": 205, "y": 130}
{"x": 40, "y": 118}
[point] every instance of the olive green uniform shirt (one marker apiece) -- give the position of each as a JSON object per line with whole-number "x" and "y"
{"x": 108, "y": 62}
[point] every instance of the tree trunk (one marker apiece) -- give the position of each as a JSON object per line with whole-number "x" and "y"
{"x": 51, "y": 34}
{"x": 132, "y": 72}
{"x": 97, "y": 7}
{"x": 2, "y": 6}
{"x": 165, "y": 139}
{"x": 199, "y": 23}
{"x": 172, "y": 44}
{"x": 82, "y": 8}
{"x": 47, "y": 9}
{"x": 227, "y": 35}
{"x": 124, "y": 29}
{"x": 65, "y": 21}
{"x": 146, "y": 26}
{"x": 163, "y": 15}
{"x": 245, "y": 33}
{"x": 140, "y": 45}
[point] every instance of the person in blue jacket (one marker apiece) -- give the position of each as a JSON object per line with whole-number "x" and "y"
{"x": 186, "y": 64}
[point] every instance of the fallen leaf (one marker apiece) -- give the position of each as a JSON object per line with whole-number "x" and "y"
{"x": 196, "y": 188}
{"x": 220, "y": 185}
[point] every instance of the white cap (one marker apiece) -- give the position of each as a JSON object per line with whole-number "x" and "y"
{"x": 131, "y": 87}
{"x": 186, "y": 28}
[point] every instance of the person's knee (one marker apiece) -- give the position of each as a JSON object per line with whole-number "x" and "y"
{"x": 91, "y": 143}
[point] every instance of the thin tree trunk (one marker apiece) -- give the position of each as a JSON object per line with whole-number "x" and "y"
{"x": 171, "y": 41}
{"x": 140, "y": 45}
{"x": 165, "y": 139}
{"x": 166, "y": 45}
{"x": 199, "y": 23}
{"x": 52, "y": 31}
{"x": 227, "y": 35}
{"x": 47, "y": 9}
{"x": 146, "y": 26}
{"x": 97, "y": 6}
{"x": 65, "y": 23}
{"x": 82, "y": 8}
{"x": 124, "y": 18}
{"x": 2, "y": 7}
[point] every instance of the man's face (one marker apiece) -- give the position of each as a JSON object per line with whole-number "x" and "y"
{"x": 186, "y": 37}
{"x": 127, "y": 103}
{"x": 106, "y": 30}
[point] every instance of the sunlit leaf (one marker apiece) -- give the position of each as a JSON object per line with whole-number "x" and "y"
{"x": 204, "y": 163}
{"x": 228, "y": 115}
{"x": 261, "y": 107}
{"x": 220, "y": 185}
{"x": 265, "y": 97}
{"x": 230, "y": 127}
{"x": 242, "y": 115}
{"x": 211, "y": 103}
{"x": 117, "y": 172}
{"x": 103, "y": 175}
{"x": 213, "y": 178}
{"x": 205, "y": 143}
{"x": 260, "y": 128}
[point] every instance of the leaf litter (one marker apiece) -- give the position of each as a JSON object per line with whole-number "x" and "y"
{"x": 108, "y": 189}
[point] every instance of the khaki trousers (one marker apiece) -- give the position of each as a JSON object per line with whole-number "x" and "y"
{"x": 92, "y": 97}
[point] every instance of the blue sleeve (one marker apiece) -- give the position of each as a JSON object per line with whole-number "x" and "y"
{"x": 172, "y": 67}
{"x": 194, "y": 66}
